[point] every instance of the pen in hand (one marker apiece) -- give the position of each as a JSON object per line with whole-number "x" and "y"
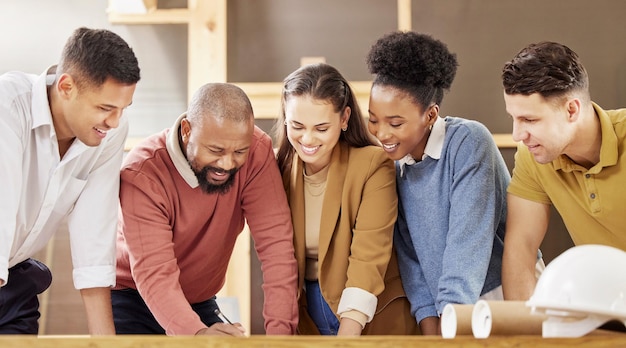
{"x": 221, "y": 316}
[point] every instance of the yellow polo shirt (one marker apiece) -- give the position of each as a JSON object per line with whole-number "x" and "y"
{"x": 592, "y": 202}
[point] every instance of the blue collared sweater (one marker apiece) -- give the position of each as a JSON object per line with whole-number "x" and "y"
{"x": 450, "y": 230}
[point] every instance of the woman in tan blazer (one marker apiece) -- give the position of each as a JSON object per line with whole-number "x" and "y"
{"x": 341, "y": 190}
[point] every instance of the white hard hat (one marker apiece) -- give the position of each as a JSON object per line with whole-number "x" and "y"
{"x": 580, "y": 290}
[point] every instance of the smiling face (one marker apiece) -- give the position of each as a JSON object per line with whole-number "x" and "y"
{"x": 398, "y": 123}
{"x": 216, "y": 148}
{"x": 313, "y": 129}
{"x": 88, "y": 114}
{"x": 545, "y": 127}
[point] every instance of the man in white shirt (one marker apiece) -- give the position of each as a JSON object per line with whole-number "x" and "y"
{"x": 62, "y": 137}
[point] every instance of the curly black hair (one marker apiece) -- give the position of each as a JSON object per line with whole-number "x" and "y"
{"x": 415, "y": 63}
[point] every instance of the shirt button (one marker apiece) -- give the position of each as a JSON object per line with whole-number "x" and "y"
{"x": 587, "y": 176}
{"x": 593, "y": 196}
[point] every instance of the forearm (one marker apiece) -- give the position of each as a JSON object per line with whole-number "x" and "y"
{"x": 349, "y": 327}
{"x": 430, "y": 326}
{"x": 518, "y": 273}
{"x": 527, "y": 223}
{"x": 97, "y": 302}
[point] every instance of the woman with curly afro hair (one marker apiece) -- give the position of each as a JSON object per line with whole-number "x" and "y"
{"x": 451, "y": 179}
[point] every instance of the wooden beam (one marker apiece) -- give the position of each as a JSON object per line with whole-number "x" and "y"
{"x": 207, "y": 43}
{"x": 404, "y": 15}
{"x": 151, "y": 5}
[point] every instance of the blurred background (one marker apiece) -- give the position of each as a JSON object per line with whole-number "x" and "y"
{"x": 256, "y": 43}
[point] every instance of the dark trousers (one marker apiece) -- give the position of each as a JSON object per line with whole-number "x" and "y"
{"x": 19, "y": 306}
{"x": 132, "y": 316}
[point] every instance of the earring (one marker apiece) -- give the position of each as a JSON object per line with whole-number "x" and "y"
{"x": 344, "y": 128}
{"x": 430, "y": 127}
{"x": 285, "y": 122}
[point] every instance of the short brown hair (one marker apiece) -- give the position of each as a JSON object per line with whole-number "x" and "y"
{"x": 92, "y": 56}
{"x": 548, "y": 68}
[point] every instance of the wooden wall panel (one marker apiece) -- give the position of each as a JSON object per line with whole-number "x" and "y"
{"x": 485, "y": 34}
{"x": 267, "y": 38}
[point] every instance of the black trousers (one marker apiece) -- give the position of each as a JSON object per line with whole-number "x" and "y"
{"x": 131, "y": 315}
{"x": 19, "y": 306}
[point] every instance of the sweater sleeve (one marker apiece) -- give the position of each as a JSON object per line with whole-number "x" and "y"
{"x": 476, "y": 206}
{"x": 149, "y": 240}
{"x": 267, "y": 213}
{"x": 413, "y": 280}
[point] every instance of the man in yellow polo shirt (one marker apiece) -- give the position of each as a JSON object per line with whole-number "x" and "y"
{"x": 571, "y": 155}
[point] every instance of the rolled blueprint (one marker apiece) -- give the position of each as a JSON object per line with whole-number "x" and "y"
{"x": 494, "y": 318}
{"x": 456, "y": 319}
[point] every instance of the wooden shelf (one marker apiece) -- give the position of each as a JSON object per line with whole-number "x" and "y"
{"x": 159, "y": 16}
{"x": 503, "y": 141}
{"x": 266, "y": 96}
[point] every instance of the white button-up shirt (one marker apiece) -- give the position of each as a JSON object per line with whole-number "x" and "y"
{"x": 38, "y": 189}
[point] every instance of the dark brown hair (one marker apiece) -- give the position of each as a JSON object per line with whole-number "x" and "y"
{"x": 548, "y": 68}
{"x": 91, "y": 56}
{"x": 320, "y": 82}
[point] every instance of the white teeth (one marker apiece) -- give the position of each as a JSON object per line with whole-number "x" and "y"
{"x": 100, "y": 131}
{"x": 309, "y": 149}
{"x": 386, "y": 146}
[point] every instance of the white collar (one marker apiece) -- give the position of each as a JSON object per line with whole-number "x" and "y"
{"x": 433, "y": 148}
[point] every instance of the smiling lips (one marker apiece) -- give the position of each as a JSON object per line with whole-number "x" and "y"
{"x": 218, "y": 176}
{"x": 390, "y": 147}
{"x": 101, "y": 133}
{"x": 309, "y": 150}
{"x": 531, "y": 148}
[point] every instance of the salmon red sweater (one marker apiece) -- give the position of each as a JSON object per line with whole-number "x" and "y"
{"x": 175, "y": 241}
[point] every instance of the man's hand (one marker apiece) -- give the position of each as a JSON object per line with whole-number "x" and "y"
{"x": 235, "y": 329}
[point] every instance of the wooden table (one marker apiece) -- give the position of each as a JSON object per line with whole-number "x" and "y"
{"x": 138, "y": 341}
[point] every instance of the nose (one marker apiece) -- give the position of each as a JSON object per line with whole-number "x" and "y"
{"x": 307, "y": 138}
{"x": 226, "y": 162}
{"x": 382, "y": 133}
{"x": 114, "y": 119}
{"x": 519, "y": 133}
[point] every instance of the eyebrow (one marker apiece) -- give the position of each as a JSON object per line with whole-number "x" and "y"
{"x": 219, "y": 148}
{"x": 111, "y": 106}
{"x": 391, "y": 117}
{"x": 317, "y": 125}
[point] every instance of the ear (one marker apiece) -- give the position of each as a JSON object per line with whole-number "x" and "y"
{"x": 185, "y": 130}
{"x": 345, "y": 116}
{"x": 573, "y": 107}
{"x": 433, "y": 113}
{"x": 66, "y": 86}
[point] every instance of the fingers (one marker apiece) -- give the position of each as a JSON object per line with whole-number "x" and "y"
{"x": 235, "y": 329}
